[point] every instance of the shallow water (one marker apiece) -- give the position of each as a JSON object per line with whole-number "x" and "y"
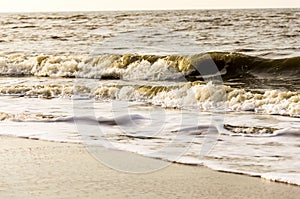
{"x": 169, "y": 134}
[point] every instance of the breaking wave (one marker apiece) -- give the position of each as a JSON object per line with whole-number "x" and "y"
{"x": 153, "y": 67}
{"x": 189, "y": 95}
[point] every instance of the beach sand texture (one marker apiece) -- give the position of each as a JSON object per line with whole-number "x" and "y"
{"x": 40, "y": 169}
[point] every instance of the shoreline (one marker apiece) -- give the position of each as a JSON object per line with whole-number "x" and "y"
{"x": 43, "y": 169}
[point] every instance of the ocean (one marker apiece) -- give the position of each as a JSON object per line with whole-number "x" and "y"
{"x": 217, "y": 88}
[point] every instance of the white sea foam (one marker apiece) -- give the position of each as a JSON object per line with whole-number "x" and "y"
{"x": 86, "y": 67}
{"x": 290, "y": 178}
{"x": 144, "y": 70}
{"x": 210, "y": 97}
{"x": 204, "y": 97}
{"x": 256, "y": 152}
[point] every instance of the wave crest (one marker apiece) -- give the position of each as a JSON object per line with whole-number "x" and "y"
{"x": 153, "y": 67}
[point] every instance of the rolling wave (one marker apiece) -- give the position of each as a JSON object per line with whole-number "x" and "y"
{"x": 153, "y": 67}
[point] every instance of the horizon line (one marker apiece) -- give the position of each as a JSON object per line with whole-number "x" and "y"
{"x": 136, "y": 10}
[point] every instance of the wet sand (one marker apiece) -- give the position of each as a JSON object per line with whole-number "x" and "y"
{"x": 41, "y": 169}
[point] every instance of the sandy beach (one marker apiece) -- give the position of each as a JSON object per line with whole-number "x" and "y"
{"x": 41, "y": 169}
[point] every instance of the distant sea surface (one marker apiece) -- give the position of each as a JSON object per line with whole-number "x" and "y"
{"x": 159, "y": 83}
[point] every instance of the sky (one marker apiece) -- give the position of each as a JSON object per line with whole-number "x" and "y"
{"x": 99, "y": 5}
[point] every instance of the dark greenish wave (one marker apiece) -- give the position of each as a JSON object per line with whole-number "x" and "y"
{"x": 241, "y": 69}
{"x": 230, "y": 65}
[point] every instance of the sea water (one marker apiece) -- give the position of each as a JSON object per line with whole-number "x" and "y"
{"x": 218, "y": 88}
